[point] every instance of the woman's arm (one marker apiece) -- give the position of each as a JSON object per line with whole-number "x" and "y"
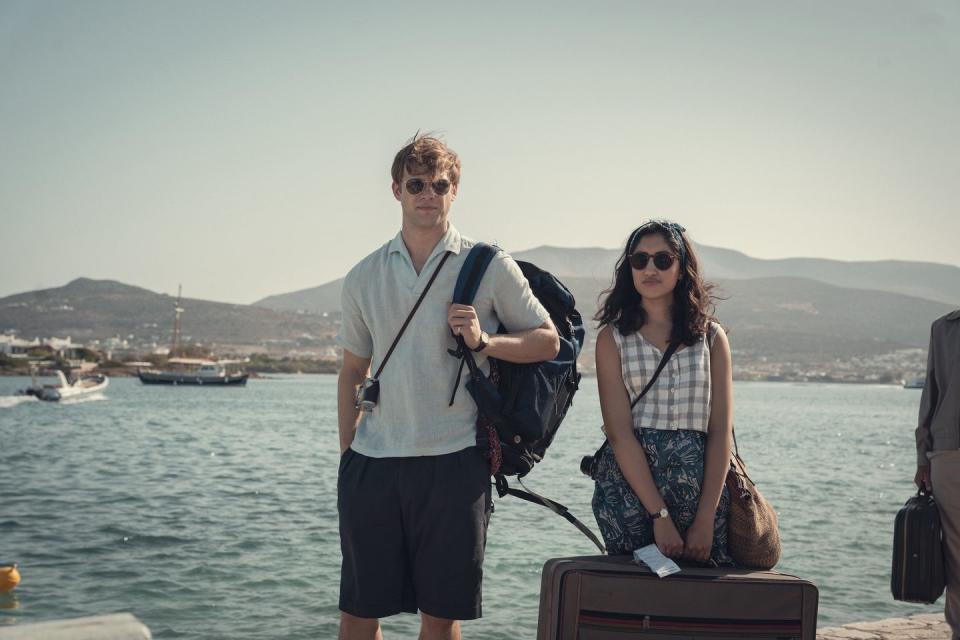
{"x": 717, "y": 459}
{"x": 618, "y": 423}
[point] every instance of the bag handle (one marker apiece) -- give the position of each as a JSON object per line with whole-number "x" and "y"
{"x": 416, "y": 306}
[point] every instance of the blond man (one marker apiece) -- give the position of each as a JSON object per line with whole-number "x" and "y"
{"x": 413, "y": 490}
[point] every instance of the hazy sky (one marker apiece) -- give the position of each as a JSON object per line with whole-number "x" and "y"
{"x": 243, "y": 148}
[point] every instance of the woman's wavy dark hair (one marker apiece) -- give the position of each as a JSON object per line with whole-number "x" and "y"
{"x": 693, "y": 299}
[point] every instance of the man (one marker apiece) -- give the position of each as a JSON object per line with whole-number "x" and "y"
{"x": 413, "y": 488}
{"x": 938, "y": 448}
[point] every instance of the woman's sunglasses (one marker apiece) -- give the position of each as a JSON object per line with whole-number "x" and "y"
{"x": 662, "y": 260}
{"x": 416, "y": 185}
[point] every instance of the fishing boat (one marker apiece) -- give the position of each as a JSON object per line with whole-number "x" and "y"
{"x": 84, "y": 385}
{"x": 194, "y": 371}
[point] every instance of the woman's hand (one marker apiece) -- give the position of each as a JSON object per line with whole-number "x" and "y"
{"x": 668, "y": 539}
{"x": 699, "y": 540}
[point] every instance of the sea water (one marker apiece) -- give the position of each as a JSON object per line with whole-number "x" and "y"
{"x": 211, "y": 513}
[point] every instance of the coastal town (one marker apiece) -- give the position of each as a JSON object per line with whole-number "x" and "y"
{"x": 122, "y": 356}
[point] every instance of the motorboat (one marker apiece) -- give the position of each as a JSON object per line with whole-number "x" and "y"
{"x": 194, "y": 371}
{"x": 917, "y": 382}
{"x": 65, "y": 389}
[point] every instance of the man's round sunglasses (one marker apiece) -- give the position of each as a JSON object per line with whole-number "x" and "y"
{"x": 416, "y": 185}
{"x": 662, "y": 260}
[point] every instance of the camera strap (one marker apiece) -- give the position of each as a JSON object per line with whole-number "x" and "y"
{"x": 416, "y": 306}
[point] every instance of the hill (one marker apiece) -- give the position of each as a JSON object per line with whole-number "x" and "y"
{"x": 929, "y": 281}
{"x": 86, "y": 309}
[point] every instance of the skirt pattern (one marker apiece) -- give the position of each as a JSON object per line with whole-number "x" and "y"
{"x": 676, "y": 460}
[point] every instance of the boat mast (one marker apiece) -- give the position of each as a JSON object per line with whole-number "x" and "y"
{"x": 176, "y": 323}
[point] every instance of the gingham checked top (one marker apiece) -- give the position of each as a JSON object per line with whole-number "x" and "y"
{"x": 680, "y": 398}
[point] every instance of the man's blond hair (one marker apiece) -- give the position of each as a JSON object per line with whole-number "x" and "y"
{"x": 426, "y": 154}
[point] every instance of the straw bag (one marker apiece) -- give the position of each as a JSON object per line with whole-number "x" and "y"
{"x": 753, "y": 534}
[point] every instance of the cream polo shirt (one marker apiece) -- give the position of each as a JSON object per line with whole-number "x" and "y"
{"x": 412, "y": 417}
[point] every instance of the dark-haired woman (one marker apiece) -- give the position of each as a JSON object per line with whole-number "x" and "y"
{"x": 661, "y": 480}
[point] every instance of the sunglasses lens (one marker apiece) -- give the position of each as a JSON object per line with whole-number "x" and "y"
{"x": 663, "y": 260}
{"x": 415, "y": 186}
{"x": 639, "y": 260}
{"x": 440, "y": 187}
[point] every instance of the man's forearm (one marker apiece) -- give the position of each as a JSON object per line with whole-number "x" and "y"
{"x": 532, "y": 345}
{"x": 347, "y": 414}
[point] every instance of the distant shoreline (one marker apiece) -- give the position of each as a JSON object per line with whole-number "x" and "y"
{"x": 265, "y": 375}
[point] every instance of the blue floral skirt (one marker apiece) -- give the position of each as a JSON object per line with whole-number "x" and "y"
{"x": 676, "y": 460}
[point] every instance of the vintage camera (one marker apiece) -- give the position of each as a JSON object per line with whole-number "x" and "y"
{"x": 588, "y": 466}
{"x": 368, "y": 394}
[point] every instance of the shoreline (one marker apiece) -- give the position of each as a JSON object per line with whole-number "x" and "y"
{"x": 254, "y": 373}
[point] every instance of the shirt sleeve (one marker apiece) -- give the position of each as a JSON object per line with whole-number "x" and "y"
{"x": 513, "y": 300}
{"x": 354, "y": 335}
{"x": 928, "y": 402}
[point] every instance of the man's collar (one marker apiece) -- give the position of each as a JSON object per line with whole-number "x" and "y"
{"x": 449, "y": 241}
{"x": 396, "y": 245}
{"x": 954, "y": 315}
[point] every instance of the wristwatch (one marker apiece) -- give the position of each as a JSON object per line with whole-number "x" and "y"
{"x": 484, "y": 341}
{"x": 663, "y": 513}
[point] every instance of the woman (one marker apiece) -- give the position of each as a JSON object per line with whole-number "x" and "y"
{"x": 662, "y": 479}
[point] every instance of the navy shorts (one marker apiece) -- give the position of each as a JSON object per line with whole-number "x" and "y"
{"x": 413, "y": 533}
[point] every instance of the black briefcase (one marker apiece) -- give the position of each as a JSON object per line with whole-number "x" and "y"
{"x": 918, "y": 573}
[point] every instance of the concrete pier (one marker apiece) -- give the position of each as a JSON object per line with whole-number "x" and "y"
{"x": 117, "y": 626}
{"x": 926, "y": 626}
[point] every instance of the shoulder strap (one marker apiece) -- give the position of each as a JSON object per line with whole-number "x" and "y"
{"x": 504, "y": 489}
{"x": 471, "y": 273}
{"x": 671, "y": 349}
{"x": 656, "y": 374}
{"x": 416, "y": 306}
{"x": 468, "y": 282}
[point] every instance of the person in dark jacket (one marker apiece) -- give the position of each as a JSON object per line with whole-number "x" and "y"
{"x": 938, "y": 448}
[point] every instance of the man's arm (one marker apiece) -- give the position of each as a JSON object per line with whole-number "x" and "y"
{"x": 533, "y": 345}
{"x": 352, "y": 374}
{"x": 928, "y": 403}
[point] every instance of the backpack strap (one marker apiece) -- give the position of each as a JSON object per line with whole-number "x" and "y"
{"x": 504, "y": 489}
{"x": 468, "y": 282}
{"x": 471, "y": 273}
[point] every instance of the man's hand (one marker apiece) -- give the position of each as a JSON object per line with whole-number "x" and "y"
{"x": 922, "y": 479}
{"x": 463, "y": 321}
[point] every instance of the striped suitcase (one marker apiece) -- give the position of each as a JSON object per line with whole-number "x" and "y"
{"x": 612, "y": 598}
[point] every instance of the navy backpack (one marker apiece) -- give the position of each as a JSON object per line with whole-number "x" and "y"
{"x": 523, "y": 403}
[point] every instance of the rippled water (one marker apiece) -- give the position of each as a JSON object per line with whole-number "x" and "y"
{"x": 211, "y": 513}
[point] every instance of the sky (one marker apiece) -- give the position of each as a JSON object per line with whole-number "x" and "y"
{"x": 242, "y": 149}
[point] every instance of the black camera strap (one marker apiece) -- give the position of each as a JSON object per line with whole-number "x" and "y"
{"x": 416, "y": 306}
{"x": 671, "y": 349}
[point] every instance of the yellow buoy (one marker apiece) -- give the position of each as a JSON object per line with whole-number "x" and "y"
{"x": 9, "y": 577}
